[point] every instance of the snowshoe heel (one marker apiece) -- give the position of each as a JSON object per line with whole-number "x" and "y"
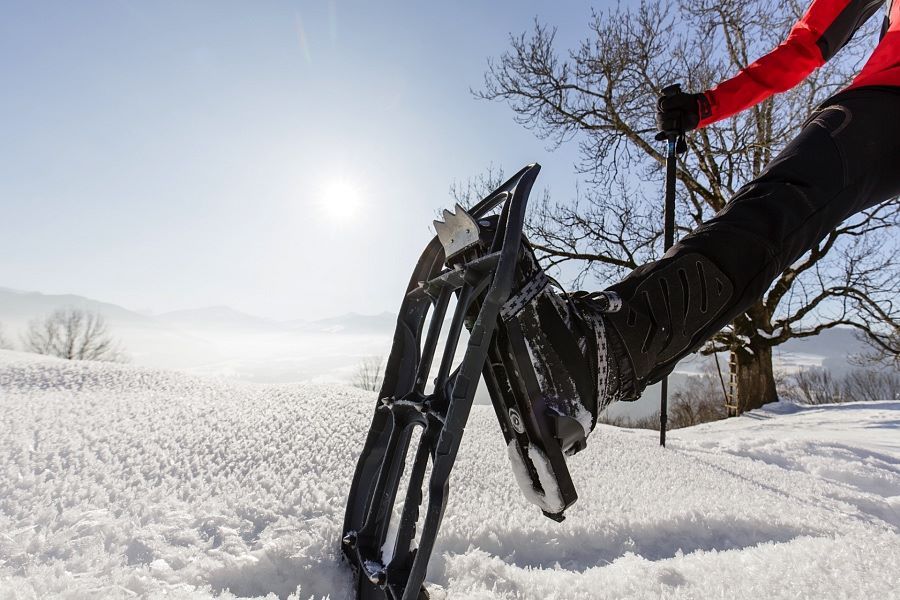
{"x": 569, "y": 433}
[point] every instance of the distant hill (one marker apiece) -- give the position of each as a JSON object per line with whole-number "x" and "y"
{"x": 831, "y": 348}
{"x": 18, "y": 306}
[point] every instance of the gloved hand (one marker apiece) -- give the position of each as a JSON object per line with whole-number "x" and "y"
{"x": 680, "y": 112}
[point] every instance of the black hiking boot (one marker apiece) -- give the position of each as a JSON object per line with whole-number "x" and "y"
{"x": 578, "y": 361}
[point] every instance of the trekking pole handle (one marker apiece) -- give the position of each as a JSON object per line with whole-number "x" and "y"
{"x": 674, "y": 137}
{"x": 671, "y": 90}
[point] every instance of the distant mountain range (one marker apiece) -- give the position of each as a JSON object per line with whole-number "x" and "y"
{"x": 220, "y": 340}
{"x": 18, "y": 306}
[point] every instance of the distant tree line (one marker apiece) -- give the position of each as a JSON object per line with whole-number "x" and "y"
{"x": 820, "y": 386}
{"x": 702, "y": 398}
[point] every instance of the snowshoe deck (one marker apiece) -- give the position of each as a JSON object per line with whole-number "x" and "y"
{"x": 473, "y": 258}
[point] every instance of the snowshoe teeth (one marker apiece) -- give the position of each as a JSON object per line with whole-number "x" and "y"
{"x": 457, "y": 231}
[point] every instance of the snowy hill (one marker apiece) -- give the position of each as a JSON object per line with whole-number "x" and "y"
{"x": 118, "y": 481}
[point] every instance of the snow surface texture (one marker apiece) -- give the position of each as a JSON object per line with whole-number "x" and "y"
{"x": 122, "y": 482}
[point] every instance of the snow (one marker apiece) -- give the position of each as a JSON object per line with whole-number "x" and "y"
{"x": 770, "y": 336}
{"x": 122, "y": 482}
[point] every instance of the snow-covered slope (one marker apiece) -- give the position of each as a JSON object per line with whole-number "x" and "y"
{"x": 121, "y": 482}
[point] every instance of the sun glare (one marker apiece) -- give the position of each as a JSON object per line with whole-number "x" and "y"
{"x": 340, "y": 200}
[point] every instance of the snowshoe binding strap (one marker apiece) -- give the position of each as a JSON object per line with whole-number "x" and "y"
{"x": 525, "y": 295}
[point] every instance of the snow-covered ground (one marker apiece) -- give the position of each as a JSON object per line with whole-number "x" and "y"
{"x": 120, "y": 482}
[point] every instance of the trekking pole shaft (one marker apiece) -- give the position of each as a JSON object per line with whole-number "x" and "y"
{"x": 669, "y": 224}
{"x": 668, "y": 241}
{"x": 672, "y": 136}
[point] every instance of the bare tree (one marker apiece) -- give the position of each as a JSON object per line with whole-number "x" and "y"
{"x": 369, "y": 373}
{"x": 602, "y": 96}
{"x": 475, "y": 188}
{"x": 73, "y": 334}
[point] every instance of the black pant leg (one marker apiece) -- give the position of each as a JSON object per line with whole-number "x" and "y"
{"x": 845, "y": 159}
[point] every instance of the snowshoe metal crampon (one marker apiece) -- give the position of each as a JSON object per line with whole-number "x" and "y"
{"x": 473, "y": 258}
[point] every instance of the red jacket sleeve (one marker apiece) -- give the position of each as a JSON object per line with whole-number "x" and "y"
{"x": 783, "y": 68}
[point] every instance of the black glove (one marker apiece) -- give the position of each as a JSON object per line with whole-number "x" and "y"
{"x": 680, "y": 112}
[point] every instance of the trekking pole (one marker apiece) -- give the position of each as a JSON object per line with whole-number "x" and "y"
{"x": 675, "y": 143}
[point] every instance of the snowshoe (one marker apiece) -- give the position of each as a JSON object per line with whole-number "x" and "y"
{"x": 482, "y": 261}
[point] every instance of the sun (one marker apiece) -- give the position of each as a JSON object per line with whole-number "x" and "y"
{"x": 339, "y": 200}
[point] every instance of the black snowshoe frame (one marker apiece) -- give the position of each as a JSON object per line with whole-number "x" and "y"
{"x": 480, "y": 272}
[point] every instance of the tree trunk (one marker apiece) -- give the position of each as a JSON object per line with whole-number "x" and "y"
{"x": 755, "y": 379}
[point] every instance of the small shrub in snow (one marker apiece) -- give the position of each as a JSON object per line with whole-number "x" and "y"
{"x": 869, "y": 384}
{"x": 4, "y": 342}
{"x": 369, "y": 374}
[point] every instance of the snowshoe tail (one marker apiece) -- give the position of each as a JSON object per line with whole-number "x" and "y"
{"x": 473, "y": 258}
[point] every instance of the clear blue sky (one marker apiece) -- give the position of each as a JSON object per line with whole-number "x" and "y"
{"x": 168, "y": 155}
